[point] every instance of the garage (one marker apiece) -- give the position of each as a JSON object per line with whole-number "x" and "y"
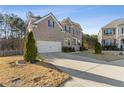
{"x": 49, "y": 46}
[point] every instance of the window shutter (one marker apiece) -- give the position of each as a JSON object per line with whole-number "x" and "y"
{"x": 53, "y": 23}
{"x": 103, "y": 41}
{"x": 65, "y": 28}
{"x": 104, "y": 32}
{"x": 114, "y": 31}
{"x": 114, "y": 41}
{"x": 122, "y": 30}
{"x": 73, "y": 32}
{"x": 69, "y": 29}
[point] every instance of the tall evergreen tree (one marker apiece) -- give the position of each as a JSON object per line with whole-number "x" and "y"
{"x": 29, "y": 47}
{"x": 98, "y": 48}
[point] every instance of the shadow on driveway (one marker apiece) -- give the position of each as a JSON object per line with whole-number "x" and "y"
{"x": 92, "y": 77}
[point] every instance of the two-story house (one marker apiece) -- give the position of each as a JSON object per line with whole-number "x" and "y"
{"x": 51, "y": 35}
{"x": 112, "y": 34}
{"x": 72, "y": 33}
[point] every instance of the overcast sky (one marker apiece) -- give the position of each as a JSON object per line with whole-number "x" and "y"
{"x": 91, "y": 18}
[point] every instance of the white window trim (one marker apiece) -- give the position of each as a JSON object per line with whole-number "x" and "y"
{"x": 66, "y": 41}
{"x": 75, "y": 39}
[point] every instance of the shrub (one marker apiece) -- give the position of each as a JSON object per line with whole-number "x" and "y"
{"x": 29, "y": 48}
{"x": 110, "y": 47}
{"x": 82, "y": 47}
{"x": 68, "y": 49}
{"x": 72, "y": 49}
{"x": 98, "y": 49}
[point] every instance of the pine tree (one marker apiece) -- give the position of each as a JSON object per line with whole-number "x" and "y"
{"x": 29, "y": 47}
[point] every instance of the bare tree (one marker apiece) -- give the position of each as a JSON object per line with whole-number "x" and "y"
{"x": 12, "y": 30}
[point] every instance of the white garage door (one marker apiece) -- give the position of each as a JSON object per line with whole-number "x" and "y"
{"x": 48, "y": 46}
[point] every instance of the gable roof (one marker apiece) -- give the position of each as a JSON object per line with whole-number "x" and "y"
{"x": 71, "y": 22}
{"x": 46, "y": 16}
{"x": 114, "y": 23}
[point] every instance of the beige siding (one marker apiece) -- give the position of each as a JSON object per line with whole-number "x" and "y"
{"x": 44, "y": 33}
{"x": 70, "y": 35}
{"x": 113, "y": 36}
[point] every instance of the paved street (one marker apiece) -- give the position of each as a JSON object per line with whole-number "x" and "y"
{"x": 87, "y": 72}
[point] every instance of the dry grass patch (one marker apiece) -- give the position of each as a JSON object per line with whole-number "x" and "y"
{"x": 41, "y": 74}
{"x": 106, "y": 56}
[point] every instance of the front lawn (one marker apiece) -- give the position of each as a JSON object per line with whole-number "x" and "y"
{"x": 41, "y": 74}
{"x": 106, "y": 55}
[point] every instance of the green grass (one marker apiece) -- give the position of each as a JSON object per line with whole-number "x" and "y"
{"x": 105, "y": 56}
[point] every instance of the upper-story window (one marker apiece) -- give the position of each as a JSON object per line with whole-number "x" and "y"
{"x": 51, "y": 23}
{"x": 108, "y": 32}
{"x": 67, "y": 28}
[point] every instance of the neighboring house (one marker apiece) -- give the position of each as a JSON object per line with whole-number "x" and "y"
{"x": 112, "y": 34}
{"x": 72, "y": 34}
{"x": 51, "y": 35}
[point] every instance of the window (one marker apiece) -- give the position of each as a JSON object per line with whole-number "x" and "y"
{"x": 51, "y": 23}
{"x": 74, "y": 42}
{"x": 108, "y": 42}
{"x": 67, "y": 41}
{"x": 103, "y": 41}
{"x": 67, "y": 28}
{"x": 108, "y": 31}
{"x": 122, "y": 41}
{"x": 78, "y": 42}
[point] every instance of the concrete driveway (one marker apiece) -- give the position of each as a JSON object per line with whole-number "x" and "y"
{"x": 88, "y": 72}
